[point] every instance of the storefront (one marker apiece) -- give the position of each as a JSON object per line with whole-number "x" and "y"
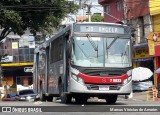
{"x": 154, "y": 50}
{"x": 18, "y": 54}
{"x": 157, "y": 58}
{"x": 141, "y": 58}
{"x": 154, "y": 37}
{"x": 17, "y": 76}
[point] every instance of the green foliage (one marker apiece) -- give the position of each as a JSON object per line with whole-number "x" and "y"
{"x": 36, "y": 15}
{"x": 97, "y": 18}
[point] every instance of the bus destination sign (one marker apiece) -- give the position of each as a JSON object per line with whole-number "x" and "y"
{"x": 100, "y": 28}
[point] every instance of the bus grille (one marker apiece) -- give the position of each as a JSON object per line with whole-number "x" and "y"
{"x": 96, "y": 87}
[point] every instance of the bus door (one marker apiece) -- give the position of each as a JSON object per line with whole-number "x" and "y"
{"x": 36, "y": 72}
{"x": 46, "y": 69}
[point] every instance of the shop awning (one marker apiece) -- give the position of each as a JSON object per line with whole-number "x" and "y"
{"x": 158, "y": 70}
{"x": 142, "y": 59}
{"x": 142, "y": 45}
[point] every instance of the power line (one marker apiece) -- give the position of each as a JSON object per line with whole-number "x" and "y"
{"x": 32, "y": 7}
{"x": 46, "y": 7}
{"x": 36, "y": 9}
{"x": 50, "y": 6}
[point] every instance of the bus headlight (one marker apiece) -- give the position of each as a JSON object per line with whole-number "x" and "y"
{"x": 78, "y": 79}
{"x": 129, "y": 73}
{"x": 127, "y": 80}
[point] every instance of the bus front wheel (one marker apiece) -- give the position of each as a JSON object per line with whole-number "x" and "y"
{"x": 49, "y": 98}
{"x": 111, "y": 99}
{"x": 81, "y": 99}
{"x": 65, "y": 98}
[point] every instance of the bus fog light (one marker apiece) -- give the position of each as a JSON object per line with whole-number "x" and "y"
{"x": 129, "y": 78}
{"x": 125, "y": 81}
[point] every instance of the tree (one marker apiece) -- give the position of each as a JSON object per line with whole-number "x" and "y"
{"x": 97, "y": 18}
{"x": 36, "y": 15}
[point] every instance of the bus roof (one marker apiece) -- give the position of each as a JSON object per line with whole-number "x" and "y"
{"x": 68, "y": 28}
{"x": 117, "y": 24}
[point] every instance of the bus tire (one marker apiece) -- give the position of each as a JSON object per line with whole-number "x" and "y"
{"x": 111, "y": 99}
{"x": 81, "y": 100}
{"x": 42, "y": 96}
{"x": 49, "y": 98}
{"x": 65, "y": 98}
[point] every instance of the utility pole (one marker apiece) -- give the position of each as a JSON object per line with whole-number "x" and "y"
{"x": 80, "y": 3}
{"x": 125, "y": 12}
{"x": 88, "y": 4}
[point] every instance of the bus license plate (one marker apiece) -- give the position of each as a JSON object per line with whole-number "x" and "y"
{"x": 104, "y": 88}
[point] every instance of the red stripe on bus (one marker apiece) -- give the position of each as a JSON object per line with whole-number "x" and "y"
{"x": 103, "y": 80}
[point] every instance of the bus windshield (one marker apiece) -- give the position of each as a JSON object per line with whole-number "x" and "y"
{"x": 101, "y": 52}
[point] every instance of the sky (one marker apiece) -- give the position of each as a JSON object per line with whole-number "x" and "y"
{"x": 96, "y": 8}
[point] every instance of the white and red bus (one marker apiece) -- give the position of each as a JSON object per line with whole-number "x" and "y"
{"x": 85, "y": 60}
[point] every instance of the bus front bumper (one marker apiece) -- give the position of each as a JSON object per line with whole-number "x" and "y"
{"x": 76, "y": 87}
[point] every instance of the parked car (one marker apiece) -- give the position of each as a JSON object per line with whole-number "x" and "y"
{"x": 9, "y": 97}
{"x": 26, "y": 95}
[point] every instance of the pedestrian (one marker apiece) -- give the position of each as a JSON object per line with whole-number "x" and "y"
{"x": 7, "y": 88}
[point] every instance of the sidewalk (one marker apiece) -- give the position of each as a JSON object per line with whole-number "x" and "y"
{"x": 140, "y": 96}
{"x": 137, "y": 96}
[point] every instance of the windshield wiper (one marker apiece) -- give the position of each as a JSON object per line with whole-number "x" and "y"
{"x": 93, "y": 44}
{"x": 111, "y": 43}
{"x": 108, "y": 46}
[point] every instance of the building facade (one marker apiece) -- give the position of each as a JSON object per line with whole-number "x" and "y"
{"x": 135, "y": 14}
{"x": 154, "y": 37}
{"x": 17, "y": 61}
{"x": 113, "y": 10}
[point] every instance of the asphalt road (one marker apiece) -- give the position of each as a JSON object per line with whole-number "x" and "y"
{"x": 135, "y": 105}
